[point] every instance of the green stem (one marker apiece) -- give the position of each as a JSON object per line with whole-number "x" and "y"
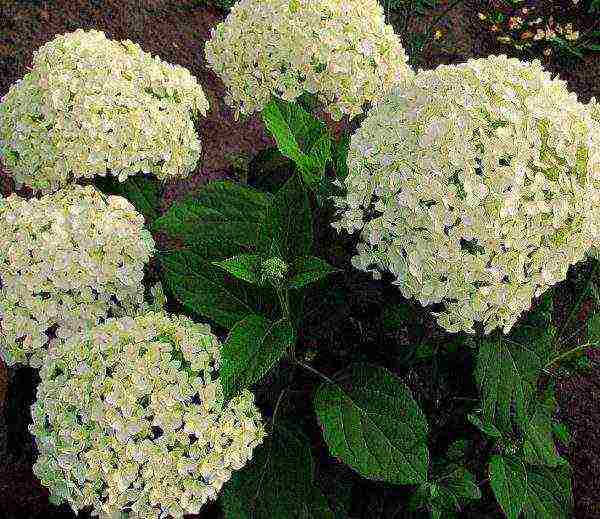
{"x": 566, "y": 354}
{"x": 284, "y": 301}
{"x": 314, "y": 371}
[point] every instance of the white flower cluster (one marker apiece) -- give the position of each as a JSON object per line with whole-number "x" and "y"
{"x": 340, "y": 50}
{"x": 92, "y": 106}
{"x": 130, "y": 418}
{"x": 476, "y": 187}
{"x": 67, "y": 261}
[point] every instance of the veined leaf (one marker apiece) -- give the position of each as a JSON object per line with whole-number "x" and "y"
{"x": 537, "y": 331}
{"x": 506, "y": 373}
{"x": 203, "y": 288}
{"x": 244, "y": 267}
{"x": 340, "y": 156}
{"x": 488, "y": 429}
{"x": 253, "y": 347}
{"x": 371, "y": 422}
{"x": 549, "y": 493}
{"x": 310, "y": 269}
{"x": 538, "y": 438}
{"x": 508, "y": 479}
{"x": 222, "y": 220}
{"x": 278, "y": 482}
{"x": 300, "y": 136}
{"x": 142, "y": 191}
{"x": 287, "y": 231}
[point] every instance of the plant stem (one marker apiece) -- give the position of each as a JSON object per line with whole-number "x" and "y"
{"x": 314, "y": 371}
{"x": 566, "y": 354}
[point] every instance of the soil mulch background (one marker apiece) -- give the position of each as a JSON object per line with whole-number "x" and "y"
{"x": 176, "y": 30}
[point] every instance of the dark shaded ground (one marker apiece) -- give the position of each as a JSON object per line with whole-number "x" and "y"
{"x": 345, "y": 322}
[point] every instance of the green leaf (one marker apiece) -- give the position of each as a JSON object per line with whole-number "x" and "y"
{"x": 340, "y": 156}
{"x": 142, "y": 191}
{"x": 203, "y": 288}
{"x": 310, "y": 269}
{"x": 399, "y": 315}
{"x": 508, "y": 479}
{"x": 253, "y": 347}
{"x": 244, "y": 267}
{"x": 300, "y": 137}
{"x": 538, "y": 440}
{"x": 488, "y": 429}
{"x": 287, "y": 230}
{"x": 278, "y": 482}
{"x": 462, "y": 484}
{"x": 222, "y": 220}
{"x": 537, "y": 331}
{"x": 506, "y": 373}
{"x": 561, "y": 432}
{"x": 549, "y": 493}
{"x": 371, "y": 422}
{"x": 593, "y": 328}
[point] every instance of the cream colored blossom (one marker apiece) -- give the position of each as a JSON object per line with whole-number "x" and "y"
{"x": 92, "y": 106}
{"x": 130, "y": 417}
{"x": 67, "y": 261}
{"x": 340, "y": 50}
{"x": 476, "y": 187}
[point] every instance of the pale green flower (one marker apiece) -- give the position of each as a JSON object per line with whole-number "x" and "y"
{"x": 113, "y": 445}
{"x": 67, "y": 261}
{"x": 92, "y": 106}
{"x": 476, "y": 186}
{"x": 340, "y": 50}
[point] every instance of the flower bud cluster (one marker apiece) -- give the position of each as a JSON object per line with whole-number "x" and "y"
{"x": 476, "y": 186}
{"x": 130, "y": 417}
{"x": 340, "y": 50}
{"x": 93, "y": 106}
{"x": 67, "y": 261}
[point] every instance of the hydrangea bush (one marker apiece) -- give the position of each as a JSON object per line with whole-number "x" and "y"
{"x": 340, "y": 50}
{"x": 67, "y": 261}
{"x": 130, "y": 417}
{"x": 476, "y": 187}
{"x": 92, "y": 106}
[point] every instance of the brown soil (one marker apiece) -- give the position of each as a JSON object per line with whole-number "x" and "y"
{"x": 176, "y": 30}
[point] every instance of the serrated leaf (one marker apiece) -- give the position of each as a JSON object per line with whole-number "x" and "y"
{"x": 277, "y": 483}
{"x": 203, "y": 288}
{"x": 537, "y": 331}
{"x": 538, "y": 440}
{"x": 308, "y": 270}
{"x": 549, "y": 493}
{"x": 488, "y": 429}
{"x": 253, "y": 347}
{"x": 340, "y": 156}
{"x": 506, "y": 373}
{"x": 222, "y": 220}
{"x": 508, "y": 479}
{"x": 244, "y": 267}
{"x": 287, "y": 230}
{"x": 462, "y": 484}
{"x": 300, "y": 136}
{"x": 371, "y": 422}
{"x": 142, "y": 191}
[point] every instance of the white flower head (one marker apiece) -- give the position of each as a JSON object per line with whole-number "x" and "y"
{"x": 480, "y": 205}
{"x": 141, "y": 427}
{"x": 67, "y": 261}
{"x": 340, "y": 50}
{"x": 93, "y": 106}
